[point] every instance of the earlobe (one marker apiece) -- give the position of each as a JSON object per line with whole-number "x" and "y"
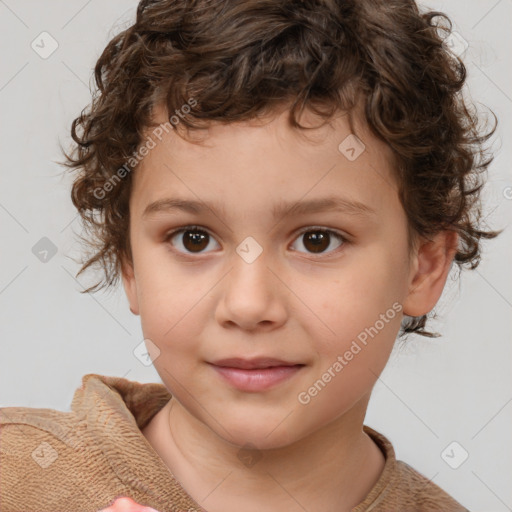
{"x": 130, "y": 286}
{"x": 433, "y": 262}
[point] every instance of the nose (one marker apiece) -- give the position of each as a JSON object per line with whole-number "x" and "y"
{"x": 252, "y": 296}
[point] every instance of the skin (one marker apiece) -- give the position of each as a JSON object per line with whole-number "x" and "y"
{"x": 290, "y": 303}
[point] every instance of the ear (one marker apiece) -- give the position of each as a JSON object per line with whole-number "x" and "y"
{"x": 130, "y": 286}
{"x": 432, "y": 263}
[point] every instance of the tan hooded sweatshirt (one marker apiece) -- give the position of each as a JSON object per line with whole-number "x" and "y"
{"x": 82, "y": 460}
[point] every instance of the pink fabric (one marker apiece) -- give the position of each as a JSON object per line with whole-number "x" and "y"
{"x": 127, "y": 505}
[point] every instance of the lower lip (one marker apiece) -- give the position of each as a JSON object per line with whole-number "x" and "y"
{"x": 258, "y": 379}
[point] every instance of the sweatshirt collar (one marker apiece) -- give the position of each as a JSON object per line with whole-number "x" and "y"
{"x": 121, "y": 408}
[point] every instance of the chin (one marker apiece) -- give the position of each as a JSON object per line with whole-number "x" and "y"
{"x": 262, "y": 433}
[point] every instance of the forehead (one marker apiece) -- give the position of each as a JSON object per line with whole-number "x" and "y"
{"x": 266, "y": 159}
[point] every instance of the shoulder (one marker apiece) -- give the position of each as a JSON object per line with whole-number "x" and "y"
{"x": 401, "y": 487}
{"x": 47, "y": 461}
{"x": 414, "y": 491}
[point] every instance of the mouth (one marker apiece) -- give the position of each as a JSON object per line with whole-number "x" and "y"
{"x": 255, "y": 375}
{"x": 253, "y": 364}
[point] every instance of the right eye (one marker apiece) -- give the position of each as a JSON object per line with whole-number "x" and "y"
{"x": 190, "y": 239}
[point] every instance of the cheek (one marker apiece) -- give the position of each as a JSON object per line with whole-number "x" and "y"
{"x": 355, "y": 299}
{"x": 173, "y": 311}
{"x": 349, "y": 364}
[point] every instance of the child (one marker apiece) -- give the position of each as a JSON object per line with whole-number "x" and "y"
{"x": 283, "y": 188}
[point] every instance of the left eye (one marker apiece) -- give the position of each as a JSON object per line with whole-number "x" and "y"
{"x": 318, "y": 240}
{"x": 193, "y": 240}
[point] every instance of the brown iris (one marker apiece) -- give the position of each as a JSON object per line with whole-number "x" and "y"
{"x": 195, "y": 239}
{"x": 319, "y": 240}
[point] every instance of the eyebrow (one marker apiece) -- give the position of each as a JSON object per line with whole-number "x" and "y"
{"x": 331, "y": 203}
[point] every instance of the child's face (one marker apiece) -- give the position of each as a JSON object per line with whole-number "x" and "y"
{"x": 204, "y": 302}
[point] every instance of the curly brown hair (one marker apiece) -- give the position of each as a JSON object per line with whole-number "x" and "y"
{"x": 242, "y": 59}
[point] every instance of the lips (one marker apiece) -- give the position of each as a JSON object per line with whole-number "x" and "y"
{"x": 255, "y": 375}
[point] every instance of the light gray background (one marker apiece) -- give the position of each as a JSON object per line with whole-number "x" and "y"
{"x": 454, "y": 388}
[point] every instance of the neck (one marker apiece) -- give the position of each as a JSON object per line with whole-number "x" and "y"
{"x": 332, "y": 469}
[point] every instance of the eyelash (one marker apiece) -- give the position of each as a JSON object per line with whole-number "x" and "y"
{"x": 315, "y": 229}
